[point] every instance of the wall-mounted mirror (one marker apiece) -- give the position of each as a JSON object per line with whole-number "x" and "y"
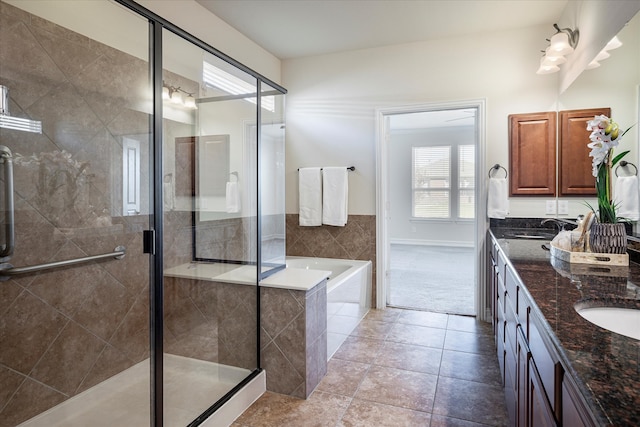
{"x": 615, "y": 84}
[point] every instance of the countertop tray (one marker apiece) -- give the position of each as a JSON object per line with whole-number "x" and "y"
{"x": 589, "y": 257}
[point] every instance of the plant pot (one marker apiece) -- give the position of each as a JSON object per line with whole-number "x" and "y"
{"x": 608, "y": 238}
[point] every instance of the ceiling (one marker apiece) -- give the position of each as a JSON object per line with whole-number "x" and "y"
{"x": 298, "y": 28}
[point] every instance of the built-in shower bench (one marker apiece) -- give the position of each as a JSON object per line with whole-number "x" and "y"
{"x": 293, "y": 319}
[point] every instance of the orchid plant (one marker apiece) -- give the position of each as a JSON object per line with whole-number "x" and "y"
{"x": 605, "y": 136}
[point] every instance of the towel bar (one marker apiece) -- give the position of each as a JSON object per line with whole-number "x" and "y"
{"x": 351, "y": 168}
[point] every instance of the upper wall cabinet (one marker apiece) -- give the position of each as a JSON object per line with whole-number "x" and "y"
{"x": 574, "y": 164}
{"x": 532, "y": 154}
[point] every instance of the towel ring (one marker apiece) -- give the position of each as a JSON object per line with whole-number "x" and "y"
{"x": 623, "y": 164}
{"x": 496, "y": 167}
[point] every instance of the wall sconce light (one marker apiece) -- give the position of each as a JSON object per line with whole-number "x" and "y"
{"x": 614, "y": 43}
{"x": 174, "y": 96}
{"x": 562, "y": 43}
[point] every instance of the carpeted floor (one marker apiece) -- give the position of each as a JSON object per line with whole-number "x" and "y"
{"x": 433, "y": 278}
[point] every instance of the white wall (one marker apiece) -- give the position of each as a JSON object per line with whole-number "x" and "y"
{"x": 198, "y": 21}
{"x": 332, "y": 101}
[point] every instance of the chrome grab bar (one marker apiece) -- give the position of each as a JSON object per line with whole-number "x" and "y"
{"x": 6, "y": 250}
{"x": 7, "y": 270}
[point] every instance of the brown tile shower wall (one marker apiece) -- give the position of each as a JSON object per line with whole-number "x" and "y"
{"x": 65, "y": 330}
{"x": 356, "y": 240}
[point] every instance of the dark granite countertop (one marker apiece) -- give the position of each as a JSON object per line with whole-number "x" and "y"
{"x": 605, "y": 365}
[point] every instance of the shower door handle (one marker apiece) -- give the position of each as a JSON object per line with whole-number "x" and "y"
{"x": 6, "y": 160}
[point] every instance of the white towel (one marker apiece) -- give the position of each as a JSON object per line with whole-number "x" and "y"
{"x": 626, "y": 198}
{"x": 310, "y": 196}
{"x": 167, "y": 194}
{"x": 335, "y": 191}
{"x": 232, "y": 197}
{"x": 497, "y": 202}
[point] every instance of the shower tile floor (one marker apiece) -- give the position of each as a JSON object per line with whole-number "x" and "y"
{"x": 191, "y": 386}
{"x": 432, "y": 278}
{"x": 399, "y": 368}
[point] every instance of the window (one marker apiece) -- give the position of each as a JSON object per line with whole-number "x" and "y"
{"x": 443, "y": 181}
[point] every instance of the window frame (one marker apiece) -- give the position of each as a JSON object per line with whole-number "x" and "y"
{"x": 454, "y": 189}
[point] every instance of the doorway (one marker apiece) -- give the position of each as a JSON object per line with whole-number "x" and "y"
{"x": 428, "y": 163}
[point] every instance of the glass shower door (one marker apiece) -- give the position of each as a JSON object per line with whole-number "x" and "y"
{"x": 210, "y": 230}
{"x": 74, "y": 291}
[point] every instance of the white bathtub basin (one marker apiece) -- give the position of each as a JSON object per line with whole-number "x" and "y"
{"x": 623, "y": 321}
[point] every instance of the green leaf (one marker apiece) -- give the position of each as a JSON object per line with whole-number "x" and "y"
{"x": 617, "y": 158}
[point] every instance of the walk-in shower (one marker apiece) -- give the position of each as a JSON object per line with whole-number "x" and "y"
{"x": 105, "y": 186}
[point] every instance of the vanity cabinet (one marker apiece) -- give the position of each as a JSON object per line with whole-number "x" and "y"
{"x": 576, "y": 177}
{"x": 532, "y": 154}
{"x": 538, "y": 391}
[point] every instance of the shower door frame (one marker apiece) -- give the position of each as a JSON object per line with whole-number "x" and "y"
{"x": 153, "y": 238}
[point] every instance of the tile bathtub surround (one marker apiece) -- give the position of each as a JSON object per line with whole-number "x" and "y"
{"x": 394, "y": 378}
{"x": 356, "y": 240}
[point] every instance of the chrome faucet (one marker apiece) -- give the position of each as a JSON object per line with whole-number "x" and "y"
{"x": 556, "y": 221}
{"x": 559, "y": 222}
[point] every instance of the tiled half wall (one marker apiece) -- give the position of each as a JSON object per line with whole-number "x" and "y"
{"x": 356, "y": 240}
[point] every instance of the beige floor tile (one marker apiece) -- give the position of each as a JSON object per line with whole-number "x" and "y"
{"x": 396, "y": 387}
{"x": 417, "y": 335}
{"x": 441, "y": 421}
{"x": 359, "y": 349}
{"x": 343, "y": 377}
{"x": 372, "y": 329}
{"x": 410, "y": 357}
{"x": 469, "y": 342}
{"x": 276, "y": 410}
{"x": 471, "y": 366}
{"x": 389, "y": 314}
{"x": 424, "y": 318}
{"x": 362, "y": 413}
{"x": 471, "y": 401}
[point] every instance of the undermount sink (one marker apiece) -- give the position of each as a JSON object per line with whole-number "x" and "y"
{"x": 621, "y": 320}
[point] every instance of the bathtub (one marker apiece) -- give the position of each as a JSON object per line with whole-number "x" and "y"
{"x": 344, "y": 272}
{"x": 348, "y": 294}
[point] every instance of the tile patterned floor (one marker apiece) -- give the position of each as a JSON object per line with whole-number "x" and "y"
{"x": 399, "y": 368}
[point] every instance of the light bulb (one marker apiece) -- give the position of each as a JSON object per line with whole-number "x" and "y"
{"x": 551, "y": 58}
{"x": 190, "y": 101}
{"x": 547, "y": 68}
{"x": 593, "y": 64}
{"x": 614, "y": 43}
{"x": 602, "y": 55}
{"x": 560, "y": 44}
{"x": 176, "y": 97}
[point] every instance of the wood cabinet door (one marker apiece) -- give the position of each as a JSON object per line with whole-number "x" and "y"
{"x": 540, "y": 412}
{"x": 532, "y": 154}
{"x": 574, "y": 164}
